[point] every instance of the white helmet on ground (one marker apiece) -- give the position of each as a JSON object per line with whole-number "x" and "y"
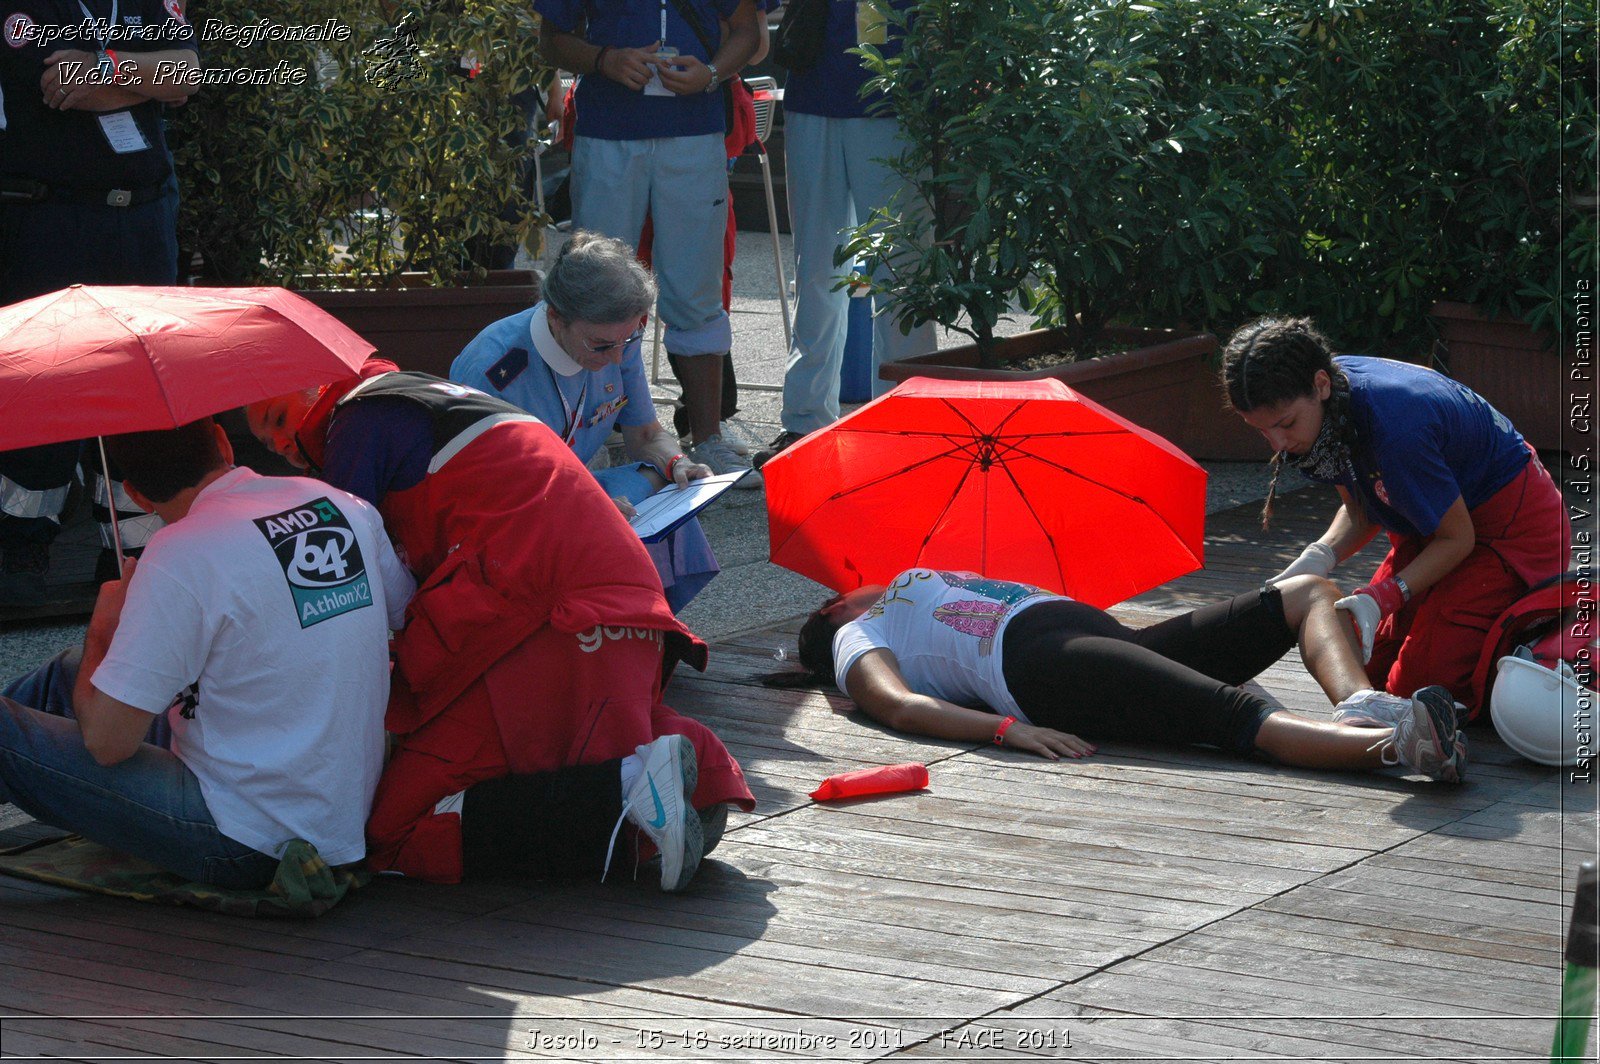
{"x": 1545, "y": 715}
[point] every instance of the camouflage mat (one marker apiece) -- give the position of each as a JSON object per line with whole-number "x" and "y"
{"x": 304, "y": 886}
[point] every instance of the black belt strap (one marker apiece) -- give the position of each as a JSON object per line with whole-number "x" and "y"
{"x": 27, "y": 190}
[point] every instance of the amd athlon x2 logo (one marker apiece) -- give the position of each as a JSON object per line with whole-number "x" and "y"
{"x": 321, "y": 560}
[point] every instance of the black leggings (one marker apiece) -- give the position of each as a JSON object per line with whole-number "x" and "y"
{"x": 1077, "y": 669}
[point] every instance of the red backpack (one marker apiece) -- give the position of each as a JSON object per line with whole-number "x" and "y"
{"x": 1554, "y": 618}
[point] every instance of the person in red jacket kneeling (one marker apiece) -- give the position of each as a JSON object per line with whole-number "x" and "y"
{"x": 528, "y": 682}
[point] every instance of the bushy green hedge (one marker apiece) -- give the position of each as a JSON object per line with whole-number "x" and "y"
{"x": 385, "y": 159}
{"x": 1443, "y": 153}
{"x": 1206, "y": 160}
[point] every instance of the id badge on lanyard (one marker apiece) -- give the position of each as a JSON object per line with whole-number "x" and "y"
{"x": 119, "y": 128}
{"x": 654, "y": 87}
{"x": 574, "y": 418}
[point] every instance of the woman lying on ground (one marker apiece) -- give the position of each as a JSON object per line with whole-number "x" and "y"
{"x": 1473, "y": 518}
{"x": 917, "y": 654}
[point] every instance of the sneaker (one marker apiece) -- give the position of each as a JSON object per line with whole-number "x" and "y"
{"x": 713, "y": 452}
{"x": 730, "y": 435}
{"x": 1372, "y": 709}
{"x": 22, "y": 571}
{"x": 735, "y": 439}
{"x": 780, "y": 443}
{"x": 1427, "y": 741}
{"x": 713, "y": 822}
{"x": 658, "y": 805}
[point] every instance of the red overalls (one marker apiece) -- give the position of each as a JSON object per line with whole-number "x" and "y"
{"x": 1523, "y": 536}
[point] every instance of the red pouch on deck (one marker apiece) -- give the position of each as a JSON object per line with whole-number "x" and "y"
{"x": 889, "y": 779}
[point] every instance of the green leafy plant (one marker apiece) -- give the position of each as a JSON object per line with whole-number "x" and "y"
{"x": 1171, "y": 161}
{"x": 1086, "y": 160}
{"x": 1445, "y": 147}
{"x": 385, "y": 159}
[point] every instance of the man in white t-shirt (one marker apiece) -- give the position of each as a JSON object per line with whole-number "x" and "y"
{"x": 257, "y": 622}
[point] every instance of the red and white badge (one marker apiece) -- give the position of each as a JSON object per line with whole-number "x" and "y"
{"x": 19, "y": 28}
{"x": 174, "y": 10}
{"x": 1381, "y": 492}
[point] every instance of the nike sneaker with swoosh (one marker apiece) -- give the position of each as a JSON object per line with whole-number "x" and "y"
{"x": 658, "y": 805}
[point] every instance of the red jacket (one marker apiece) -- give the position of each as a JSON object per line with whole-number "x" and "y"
{"x": 507, "y": 535}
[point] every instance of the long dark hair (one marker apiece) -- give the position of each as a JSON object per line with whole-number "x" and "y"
{"x": 816, "y": 652}
{"x": 1275, "y": 360}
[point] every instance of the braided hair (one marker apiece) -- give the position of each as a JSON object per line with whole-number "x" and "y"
{"x": 1275, "y": 360}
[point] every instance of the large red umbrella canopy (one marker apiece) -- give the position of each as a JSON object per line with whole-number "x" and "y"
{"x": 1024, "y": 480}
{"x": 96, "y": 361}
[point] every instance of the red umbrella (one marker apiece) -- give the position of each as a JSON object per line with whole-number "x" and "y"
{"x": 91, "y": 361}
{"x": 1024, "y": 480}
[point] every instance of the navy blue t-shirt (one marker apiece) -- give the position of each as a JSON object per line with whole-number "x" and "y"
{"x": 376, "y": 446}
{"x": 1426, "y": 441}
{"x": 832, "y": 88}
{"x": 611, "y": 111}
{"x": 68, "y": 148}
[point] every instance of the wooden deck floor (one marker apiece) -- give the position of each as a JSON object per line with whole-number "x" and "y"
{"x": 1146, "y": 904}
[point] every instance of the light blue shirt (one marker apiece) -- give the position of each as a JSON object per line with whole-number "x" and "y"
{"x": 518, "y": 360}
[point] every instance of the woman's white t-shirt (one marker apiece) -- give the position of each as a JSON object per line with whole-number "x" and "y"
{"x": 945, "y": 631}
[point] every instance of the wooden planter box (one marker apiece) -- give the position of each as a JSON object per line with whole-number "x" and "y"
{"x": 1167, "y": 384}
{"x": 1520, "y": 370}
{"x": 424, "y": 328}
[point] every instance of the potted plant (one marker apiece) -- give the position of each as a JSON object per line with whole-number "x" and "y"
{"x": 1445, "y": 160}
{"x": 380, "y": 174}
{"x": 1526, "y": 242}
{"x": 1091, "y": 164}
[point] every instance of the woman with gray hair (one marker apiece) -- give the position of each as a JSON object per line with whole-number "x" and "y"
{"x": 574, "y": 362}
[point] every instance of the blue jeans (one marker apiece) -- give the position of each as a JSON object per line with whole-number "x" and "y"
{"x": 149, "y": 806}
{"x": 841, "y": 174}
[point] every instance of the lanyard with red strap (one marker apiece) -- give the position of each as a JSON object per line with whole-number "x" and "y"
{"x": 574, "y": 417}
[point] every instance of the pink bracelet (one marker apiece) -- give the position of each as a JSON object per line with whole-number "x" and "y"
{"x": 1000, "y": 732}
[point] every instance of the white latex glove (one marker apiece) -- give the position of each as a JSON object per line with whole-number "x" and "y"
{"x": 1365, "y": 613}
{"x": 1317, "y": 559}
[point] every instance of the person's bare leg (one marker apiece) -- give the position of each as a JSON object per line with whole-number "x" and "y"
{"x": 1327, "y": 641}
{"x": 702, "y": 393}
{"x": 1304, "y": 743}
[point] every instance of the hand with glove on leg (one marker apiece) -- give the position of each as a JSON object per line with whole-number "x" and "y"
{"x": 1318, "y": 559}
{"x": 1370, "y": 605}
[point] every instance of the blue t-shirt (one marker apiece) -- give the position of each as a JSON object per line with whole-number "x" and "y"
{"x": 1426, "y": 441}
{"x": 376, "y": 446}
{"x": 70, "y": 148}
{"x": 609, "y": 110}
{"x": 504, "y": 361}
{"x": 832, "y": 88}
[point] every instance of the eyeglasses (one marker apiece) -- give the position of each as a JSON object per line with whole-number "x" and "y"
{"x": 600, "y": 349}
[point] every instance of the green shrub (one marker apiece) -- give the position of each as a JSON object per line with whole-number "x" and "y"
{"x": 1441, "y": 148}
{"x": 385, "y": 160}
{"x": 1089, "y": 160}
{"x": 1208, "y": 160}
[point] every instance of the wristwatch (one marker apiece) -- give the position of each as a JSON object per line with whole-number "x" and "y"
{"x": 711, "y": 86}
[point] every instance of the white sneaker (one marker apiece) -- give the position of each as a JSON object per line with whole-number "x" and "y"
{"x": 1426, "y": 740}
{"x": 713, "y": 451}
{"x": 658, "y": 805}
{"x": 735, "y": 439}
{"x": 1372, "y": 709}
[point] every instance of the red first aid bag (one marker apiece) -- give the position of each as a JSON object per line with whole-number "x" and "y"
{"x": 888, "y": 779}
